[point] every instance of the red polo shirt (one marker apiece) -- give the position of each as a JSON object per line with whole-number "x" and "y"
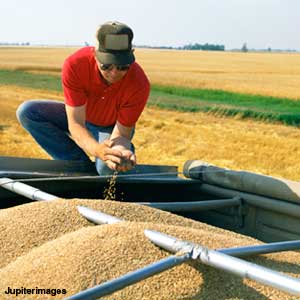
{"x": 122, "y": 101}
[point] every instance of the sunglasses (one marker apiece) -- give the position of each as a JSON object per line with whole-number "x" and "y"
{"x": 109, "y": 67}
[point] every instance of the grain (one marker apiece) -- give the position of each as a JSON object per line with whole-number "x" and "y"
{"x": 30, "y": 225}
{"x": 66, "y": 251}
{"x": 109, "y": 192}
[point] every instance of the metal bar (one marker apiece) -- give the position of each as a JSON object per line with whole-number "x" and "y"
{"x": 175, "y": 245}
{"x": 276, "y": 205}
{"x": 96, "y": 216}
{"x": 221, "y": 259}
{"x": 261, "y": 249}
{"x": 168, "y": 242}
{"x": 25, "y": 190}
{"x": 130, "y": 278}
{"x": 234, "y": 265}
{"x": 193, "y": 205}
{"x": 87, "y": 177}
{"x": 169, "y": 174}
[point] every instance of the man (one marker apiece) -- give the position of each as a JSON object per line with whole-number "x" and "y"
{"x": 105, "y": 92}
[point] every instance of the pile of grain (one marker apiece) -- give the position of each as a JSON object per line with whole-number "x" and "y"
{"x": 49, "y": 245}
{"x": 30, "y": 225}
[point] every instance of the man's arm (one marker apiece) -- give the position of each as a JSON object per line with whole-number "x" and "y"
{"x": 83, "y": 138}
{"x": 121, "y": 138}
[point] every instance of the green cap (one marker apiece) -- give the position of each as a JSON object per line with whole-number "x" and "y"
{"x": 114, "y": 44}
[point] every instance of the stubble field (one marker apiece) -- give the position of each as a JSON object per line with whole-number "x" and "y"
{"x": 169, "y": 137}
{"x": 270, "y": 74}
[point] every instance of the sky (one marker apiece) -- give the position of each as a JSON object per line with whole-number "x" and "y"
{"x": 258, "y": 23}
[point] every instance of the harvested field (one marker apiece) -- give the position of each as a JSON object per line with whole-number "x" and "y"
{"x": 168, "y": 137}
{"x": 66, "y": 251}
{"x": 271, "y": 74}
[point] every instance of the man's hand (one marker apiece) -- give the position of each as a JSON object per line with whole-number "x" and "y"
{"x": 108, "y": 154}
{"x": 128, "y": 160}
{"x": 116, "y": 157}
{"x": 116, "y": 152}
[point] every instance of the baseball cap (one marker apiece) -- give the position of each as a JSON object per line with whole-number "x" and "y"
{"x": 114, "y": 44}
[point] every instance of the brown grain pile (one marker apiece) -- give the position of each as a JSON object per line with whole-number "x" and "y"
{"x": 49, "y": 245}
{"x": 27, "y": 226}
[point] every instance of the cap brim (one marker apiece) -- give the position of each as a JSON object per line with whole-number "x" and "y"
{"x": 125, "y": 58}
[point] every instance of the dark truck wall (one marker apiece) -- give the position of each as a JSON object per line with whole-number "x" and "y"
{"x": 270, "y": 207}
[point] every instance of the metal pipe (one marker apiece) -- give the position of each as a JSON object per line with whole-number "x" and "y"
{"x": 168, "y": 242}
{"x": 144, "y": 175}
{"x": 130, "y": 278}
{"x": 193, "y": 205}
{"x": 210, "y": 257}
{"x": 261, "y": 249}
{"x": 235, "y": 265}
{"x": 275, "y": 205}
{"x": 26, "y": 190}
{"x": 175, "y": 245}
{"x": 249, "y": 270}
{"x": 96, "y": 216}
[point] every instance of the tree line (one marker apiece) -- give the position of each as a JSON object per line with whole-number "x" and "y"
{"x": 209, "y": 47}
{"x": 14, "y": 44}
{"x": 195, "y": 46}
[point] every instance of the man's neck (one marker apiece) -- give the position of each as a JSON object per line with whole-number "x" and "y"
{"x": 104, "y": 80}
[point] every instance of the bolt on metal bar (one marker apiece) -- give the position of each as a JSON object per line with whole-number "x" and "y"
{"x": 193, "y": 205}
{"x": 25, "y": 190}
{"x": 130, "y": 278}
{"x": 230, "y": 264}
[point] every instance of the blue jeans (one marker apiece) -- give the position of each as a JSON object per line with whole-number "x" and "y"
{"x": 46, "y": 121}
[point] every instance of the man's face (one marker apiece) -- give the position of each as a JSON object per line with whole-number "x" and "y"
{"x": 111, "y": 73}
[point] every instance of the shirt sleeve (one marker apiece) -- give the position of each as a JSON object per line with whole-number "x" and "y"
{"x": 131, "y": 110}
{"x": 74, "y": 92}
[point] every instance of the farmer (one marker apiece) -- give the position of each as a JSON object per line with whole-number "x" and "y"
{"x": 105, "y": 92}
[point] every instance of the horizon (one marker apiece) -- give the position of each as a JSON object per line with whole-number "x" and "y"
{"x": 261, "y": 24}
{"x": 162, "y": 47}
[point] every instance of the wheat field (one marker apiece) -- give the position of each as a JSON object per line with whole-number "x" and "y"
{"x": 270, "y": 74}
{"x": 168, "y": 137}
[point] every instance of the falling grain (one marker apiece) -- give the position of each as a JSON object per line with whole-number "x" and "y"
{"x": 109, "y": 192}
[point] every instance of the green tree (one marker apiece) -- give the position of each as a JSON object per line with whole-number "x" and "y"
{"x": 244, "y": 48}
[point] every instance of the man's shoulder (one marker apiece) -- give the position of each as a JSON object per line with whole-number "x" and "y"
{"x": 137, "y": 75}
{"x": 84, "y": 54}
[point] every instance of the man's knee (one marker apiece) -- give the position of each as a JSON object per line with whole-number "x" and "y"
{"x": 24, "y": 111}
